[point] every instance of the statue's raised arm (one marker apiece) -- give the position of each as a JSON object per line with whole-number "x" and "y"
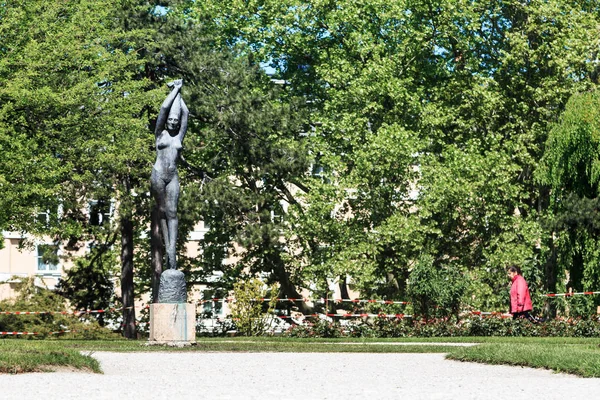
{"x": 184, "y": 120}
{"x": 171, "y": 106}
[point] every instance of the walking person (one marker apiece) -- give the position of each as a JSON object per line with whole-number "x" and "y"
{"x": 520, "y": 300}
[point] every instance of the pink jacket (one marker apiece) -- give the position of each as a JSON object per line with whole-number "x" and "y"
{"x": 519, "y": 295}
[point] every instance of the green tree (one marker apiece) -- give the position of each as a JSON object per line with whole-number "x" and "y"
{"x": 571, "y": 167}
{"x": 73, "y": 122}
{"x": 401, "y": 132}
{"x": 460, "y": 92}
{"x": 254, "y": 152}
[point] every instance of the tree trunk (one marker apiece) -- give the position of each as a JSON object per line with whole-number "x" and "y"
{"x": 393, "y": 287}
{"x": 276, "y": 264}
{"x": 129, "y": 329}
{"x": 550, "y": 281}
{"x": 576, "y": 272}
{"x": 344, "y": 287}
{"x": 287, "y": 288}
{"x": 156, "y": 252}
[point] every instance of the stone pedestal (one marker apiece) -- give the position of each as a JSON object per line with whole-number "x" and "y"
{"x": 172, "y": 324}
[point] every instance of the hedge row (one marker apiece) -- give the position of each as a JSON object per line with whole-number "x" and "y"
{"x": 476, "y": 326}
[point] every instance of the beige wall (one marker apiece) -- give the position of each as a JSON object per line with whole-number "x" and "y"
{"x": 7, "y": 290}
{"x": 23, "y": 262}
{"x": 14, "y": 260}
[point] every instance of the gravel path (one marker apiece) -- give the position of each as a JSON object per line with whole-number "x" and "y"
{"x": 343, "y": 376}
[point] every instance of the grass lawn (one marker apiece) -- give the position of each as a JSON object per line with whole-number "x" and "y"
{"x": 581, "y": 359}
{"x": 17, "y": 355}
{"x": 580, "y": 356}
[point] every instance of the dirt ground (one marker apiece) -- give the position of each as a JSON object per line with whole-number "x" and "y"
{"x": 343, "y": 376}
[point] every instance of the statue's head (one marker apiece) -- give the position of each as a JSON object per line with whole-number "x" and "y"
{"x": 174, "y": 114}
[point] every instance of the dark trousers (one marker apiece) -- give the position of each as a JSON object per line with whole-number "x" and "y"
{"x": 524, "y": 314}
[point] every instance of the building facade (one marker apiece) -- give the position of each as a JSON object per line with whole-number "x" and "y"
{"x": 43, "y": 260}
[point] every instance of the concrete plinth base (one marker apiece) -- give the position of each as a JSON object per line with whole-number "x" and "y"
{"x": 172, "y": 323}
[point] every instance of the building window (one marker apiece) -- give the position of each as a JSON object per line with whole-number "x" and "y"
{"x": 43, "y": 218}
{"x": 212, "y": 309}
{"x": 100, "y": 212}
{"x": 47, "y": 258}
{"x": 318, "y": 171}
{"x": 48, "y": 216}
{"x": 276, "y": 218}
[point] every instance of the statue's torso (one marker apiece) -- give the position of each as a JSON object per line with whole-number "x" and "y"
{"x": 168, "y": 148}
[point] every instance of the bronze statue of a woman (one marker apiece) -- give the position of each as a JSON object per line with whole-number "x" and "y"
{"x": 171, "y": 126}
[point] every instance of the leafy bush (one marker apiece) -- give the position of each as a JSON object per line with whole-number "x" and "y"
{"x": 475, "y": 326}
{"x": 300, "y": 331}
{"x": 252, "y": 317}
{"x": 210, "y": 327}
{"x": 435, "y": 328}
{"x": 318, "y": 328}
{"x": 87, "y": 284}
{"x": 435, "y": 290}
{"x": 577, "y": 306}
{"x": 389, "y": 327}
{"x": 32, "y": 298}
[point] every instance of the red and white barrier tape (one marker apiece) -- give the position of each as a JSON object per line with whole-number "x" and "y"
{"x": 346, "y": 316}
{"x": 377, "y": 301}
{"x": 321, "y": 300}
{"x": 365, "y": 301}
{"x": 569, "y": 294}
{"x": 35, "y": 333}
{"x": 54, "y": 312}
{"x": 75, "y": 312}
{"x": 232, "y": 300}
